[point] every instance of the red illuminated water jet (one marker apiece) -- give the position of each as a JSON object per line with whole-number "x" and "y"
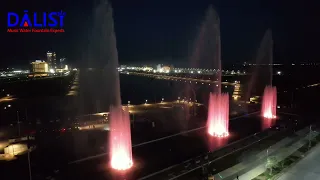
{"x": 120, "y": 139}
{"x": 269, "y": 106}
{"x": 218, "y": 115}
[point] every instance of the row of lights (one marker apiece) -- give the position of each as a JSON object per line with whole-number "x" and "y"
{"x": 189, "y": 77}
{"x": 162, "y": 100}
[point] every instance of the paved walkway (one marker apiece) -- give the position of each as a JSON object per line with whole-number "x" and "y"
{"x": 307, "y": 168}
{"x": 281, "y": 154}
{"x": 252, "y": 169}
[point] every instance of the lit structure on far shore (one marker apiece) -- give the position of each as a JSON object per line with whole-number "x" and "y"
{"x": 39, "y": 67}
{"x": 120, "y": 139}
{"x": 269, "y": 106}
{"x": 218, "y": 115}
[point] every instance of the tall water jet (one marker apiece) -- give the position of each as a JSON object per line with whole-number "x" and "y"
{"x": 120, "y": 139}
{"x": 269, "y": 106}
{"x": 218, "y": 115}
{"x": 105, "y": 51}
{"x": 105, "y": 54}
{"x": 207, "y": 47}
{"x": 263, "y": 69}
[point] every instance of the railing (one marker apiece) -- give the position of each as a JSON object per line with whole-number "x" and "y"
{"x": 206, "y": 156}
{"x": 159, "y": 139}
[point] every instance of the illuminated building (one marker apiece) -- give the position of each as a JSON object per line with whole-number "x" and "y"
{"x": 166, "y": 68}
{"x": 163, "y": 69}
{"x": 52, "y": 60}
{"x": 61, "y": 70}
{"x": 49, "y": 59}
{"x": 146, "y": 68}
{"x": 39, "y": 67}
{"x": 158, "y": 67}
{"x": 15, "y": 149}
{"x": 62, "y": 62}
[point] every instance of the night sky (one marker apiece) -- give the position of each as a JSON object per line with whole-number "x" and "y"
{"x": 154, "y": 31}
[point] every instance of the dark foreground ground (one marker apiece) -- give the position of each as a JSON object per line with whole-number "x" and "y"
{"x": 158, "y": 155}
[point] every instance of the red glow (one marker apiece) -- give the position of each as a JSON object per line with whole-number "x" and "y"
{"x": 269, "y": 106}
{"x": 218, "y": 115}
{"x": 120, "y": 139}
{"x": 25, "y": 24}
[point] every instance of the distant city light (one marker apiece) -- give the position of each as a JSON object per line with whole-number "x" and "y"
{"x": 279, "y": 72}
{"x": 51, "y": 71}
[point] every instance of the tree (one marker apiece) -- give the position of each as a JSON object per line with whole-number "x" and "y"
{"x": 272, "y": 162}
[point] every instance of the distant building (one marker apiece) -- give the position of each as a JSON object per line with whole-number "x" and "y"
{"x": 60, "y": 70}
{"x": 163, "y": 68}
{"x": 49, "y": 59}
{"x": 62, "y": 62}
{"x": 146, "y": 68}
{"x": 39, "y": 67}
{"x": 159, "y": 67}
{"x": 166, "y": 68}
{"x": 52, "y": 60}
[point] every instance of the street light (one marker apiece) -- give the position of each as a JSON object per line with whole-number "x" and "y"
{"x": 310, "y": 136}
{"x": 146, "y": 101}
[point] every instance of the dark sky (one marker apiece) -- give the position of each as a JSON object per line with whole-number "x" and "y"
{"x": 164, "y": 30}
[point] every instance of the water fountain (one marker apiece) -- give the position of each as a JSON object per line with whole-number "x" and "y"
{"x": 120, "y": 147}
{"x": 263, "y": 71}
{"x": 218, "y": 115}
{"x": 208, "y": 48}
{"x": 269, "y": 106}
{"x": 120, "y": 139}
